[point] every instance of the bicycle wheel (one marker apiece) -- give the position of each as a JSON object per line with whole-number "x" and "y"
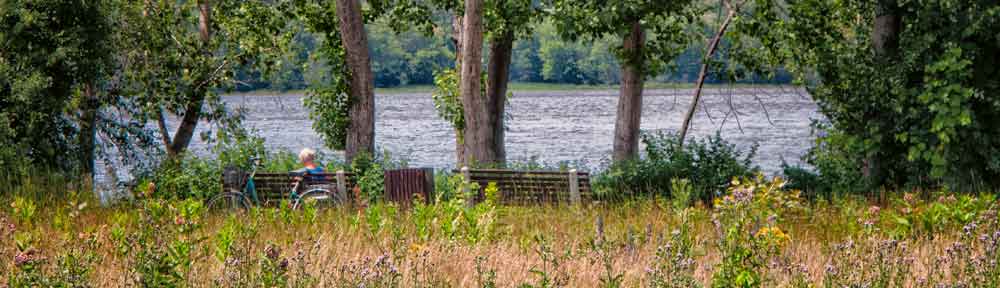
{"x": 228, "y": 202}
{"x": 319, "y": 198}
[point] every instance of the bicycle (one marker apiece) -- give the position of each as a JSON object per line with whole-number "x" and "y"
{"x": 241, "y": 199}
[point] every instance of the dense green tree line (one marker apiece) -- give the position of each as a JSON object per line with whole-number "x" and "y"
{"x": 411, "y": 58}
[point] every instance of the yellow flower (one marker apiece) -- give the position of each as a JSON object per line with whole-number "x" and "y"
{"x": 773, "y": 235}
{"x": 414, "y": 248}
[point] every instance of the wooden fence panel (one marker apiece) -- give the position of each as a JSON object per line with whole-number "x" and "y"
{"x": 402, "y": 185}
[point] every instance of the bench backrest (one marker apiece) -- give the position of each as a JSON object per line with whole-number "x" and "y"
{"x": 273, "y": 187}
{"x": 524, "y": 187}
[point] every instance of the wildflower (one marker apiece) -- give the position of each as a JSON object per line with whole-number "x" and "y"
{"x": 26, "y": 257}
{"x": 831, "y": 270}
{"x": 773, "y": 235}
{"x": 414, "y": 248}
{"x": 969, "y": 228}
{"x": 742, "y": 195}
{"x": 909, "y": 197}
{"x": 272, "y": 252}
{"x": 284, "y": 264}
{"x": 874, "y": 210}
{"x": 179, "y": 221}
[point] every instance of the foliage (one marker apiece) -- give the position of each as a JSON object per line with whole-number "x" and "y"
{"x": 575, "y": 61}
{"x": 674, "y": 263}
{"x": 160, "y": 252}
{"x": 170, "y": 68}
{"x": 447, "y": 100}
{"x": 328, "y": 103}
{"x": 747, "y": 219}
{"x": 191, "y": 176}
{"x": 973, "y": 258}
{"x": 72, "y": 267}
{"x": 886, "y": 258}
{"x": 665, "y": 21}
{"x": 452, "y": 219}
{"x": 48, "y": 51}
{"x": 709, "y": 164}
{"x": 810, "y": 183}
{"x": 922, "y": 111}
{"x": 551, "y": 274}
{"x": 917, "y": 218}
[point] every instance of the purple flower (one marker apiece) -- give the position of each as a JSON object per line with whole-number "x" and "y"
{"x": 26, "y": 257}
{"x": 272, "y": 252}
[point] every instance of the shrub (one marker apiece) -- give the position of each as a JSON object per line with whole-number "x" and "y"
{"x": 838, "y": 160}
{"x": 812, "y": 185}
{"x": 708, "y": 163}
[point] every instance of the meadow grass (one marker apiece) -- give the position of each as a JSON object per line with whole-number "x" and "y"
{"x": 540, "y": 246}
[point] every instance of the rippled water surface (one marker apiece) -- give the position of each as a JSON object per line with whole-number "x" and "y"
{"x": 557, "y": 126}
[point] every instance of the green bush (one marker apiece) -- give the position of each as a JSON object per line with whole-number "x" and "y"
{"x": 708, "y": 163}
{"x": 812, "y": 185}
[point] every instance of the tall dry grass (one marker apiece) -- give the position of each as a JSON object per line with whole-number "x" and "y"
{"x": 335, "y": 247}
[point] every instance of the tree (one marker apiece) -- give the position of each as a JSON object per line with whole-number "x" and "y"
{"x": 919, "y": 99}
{"x": 713, "y": 45}
{"x": 171, "y": 68}
{"x": 479, "y": 133}
{"x": 505, "y": 20}
{"x": 51, "y": 51}
{"x": 652, "y": 35}
{"x": 361, "y": 132}
{"x": 501, "y": 21}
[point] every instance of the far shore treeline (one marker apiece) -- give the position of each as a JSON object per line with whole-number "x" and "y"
{"x": 410, "y": 58}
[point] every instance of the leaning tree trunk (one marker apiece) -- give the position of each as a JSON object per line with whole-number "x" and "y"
{"x": 361, "y": 132}
{"x": 478, "y": 133}
{"x": 456, "y": 39}
{"x": 703, "y": 73}
{"x": 626, "y": 142}
{"x": 196, "y": 97}
{"x": 498, "y": 70}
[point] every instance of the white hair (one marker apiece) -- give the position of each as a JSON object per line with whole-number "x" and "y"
{"x": 307, "y": 155}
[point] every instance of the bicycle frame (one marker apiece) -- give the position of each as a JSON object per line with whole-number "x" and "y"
{"x": 250, "y": 189}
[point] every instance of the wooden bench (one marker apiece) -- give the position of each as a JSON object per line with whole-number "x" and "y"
{"x": 274, "y": 187}
{"x": 522, "y": 187}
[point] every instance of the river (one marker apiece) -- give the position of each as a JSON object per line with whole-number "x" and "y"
{"x": 552, "y": 127}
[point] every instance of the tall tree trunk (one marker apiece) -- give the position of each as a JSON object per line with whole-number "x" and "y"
{"x": 885, "y": 43}
{"x": 885, "y": 33}
{"x": 456, "y": 38}
{"x": 626, "y": 142}
{"x": 703, "y": 73}
{"x": 478, "y": 135}
{"x": 88, "y": 133}
{"x": 196, "y": 98}
{"x": 361, "y": 132}
{"x": 498, "y": 71}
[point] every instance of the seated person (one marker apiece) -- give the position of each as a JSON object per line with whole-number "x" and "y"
{"x": 308, "y": 159}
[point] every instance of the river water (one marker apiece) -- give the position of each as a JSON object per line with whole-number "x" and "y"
{"x": 551, "y": 127}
